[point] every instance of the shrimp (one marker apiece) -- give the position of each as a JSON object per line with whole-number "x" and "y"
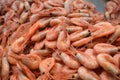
{"x": 18, "y": 6}
{"x": 87, "y": 58}
{"x": 42, "y": 52}
{"x": 79, "y": 35}
{"x": 27, "y": 5}
{"x": 31, "y": 60}
{"x": 26, "y": 70}
{"x": 39, "y": 45}
{"x": 78, "y": 15}
{"x": 9, "y": 15}
{"x": 36, "y": 7}
{"x": 72, "y": 29}
{"x": 56, "y": 56}
{"x": 51, "y": 44}
{"x": 107, "y": 63}
{"x": 105, "y": 48}
{"x": 68, "y": 6}
{"x": 40, "y": 35}
{"x": 116, "y": 58}
{"x": 115, "y": 35}
{"x": 82, "y": 42}
{"x": 46, "y": 65}
{"x": 86, "y": 74}
{"x": 106, "y": 76}
{"x": 19, "y": 73}
{"x": 69, "y": 61}
{"x": 23, "y": 17}
{"x": 52, "y": 34}
{"x": 5, "y": 68}
{"x": 24, "y": 40}
{"x": 11, "y": 60}
{"x": 63, "y": 41}
{"x": 14, "y": 77}
{"x": 103, "y": 29}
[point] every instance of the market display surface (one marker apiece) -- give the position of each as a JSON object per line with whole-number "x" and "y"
{"x": 59, "y": 40}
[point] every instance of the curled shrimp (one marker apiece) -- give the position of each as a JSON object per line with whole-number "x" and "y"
{"x": 87, "y": 74}
{"x": 69, "y": 61}
{"x": 52, "y": 34}
{"x": 107, "y": 63}
{"x": 31, "y": 61}
{"x": 46, "y": 65}
{"x": 103, "y": 29}
{"x": 63, "y": 41}
{"x": 36, "y": 7}
{"x": 105, "y": 48}
{"x": 87, "y": 58}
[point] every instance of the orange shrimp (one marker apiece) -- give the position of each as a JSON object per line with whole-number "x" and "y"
{"x": 52, "y": 34}
{"x": 115, "y": 35}
{"x": 63, "y": 41}
{"x": 87, "y": 74}
{"x": 5, "y": 68}
{"x": 79, "y": 35}
{"x": 26, "y": 70}
{"x": 14, "y": 77}
{"x": 36, "y": 7}
{"x": 107, "y": 63}
{"x": 69, "y": 61}
{"x": 46, "y": 65}
{"x": 20, "y": 75}
{"x": 103, "y": 29}
{"x": 56, "y": 56}
{"x": 39, "y": 45}
{"x": 116, "y": 58}
{"x": 106, "y": 76}
{"x": 87, "y": 58}
{"x": 42, "y": 52}
{"x": 105, "y": 48}
{"x": 72, "y": 29}
{"x": 40, "y": 35}
{"x": 31, "y": 60}
{"x": 51, "y": 44}
{"x": 11, "y": 60}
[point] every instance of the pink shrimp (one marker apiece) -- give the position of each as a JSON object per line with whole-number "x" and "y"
{"x": 36, "y": 7}
{"x": 106, "y": 76}
{"x": 31, "y": 60}
{"x": 42, "y": 52}
{"x": 69, "y": 61}
{"x": 87, "y": 74}
{"x": 103, "y": 29}
{"x": 39, "y": 45}
{"x": 68, "y": 6}
{"x": 51, "y": 44}
{"x": 107, "y": 63}
{"x": 26, "y": 70}
{"x": 116, "y": 58}
{"x": 5, "y": 68}
{"x": 63, "y": 41}
{"x": 79, "y": 35}
{"x": 105, "y": 48}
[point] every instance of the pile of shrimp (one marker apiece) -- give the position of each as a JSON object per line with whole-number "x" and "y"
{"x": 59, "y": 40}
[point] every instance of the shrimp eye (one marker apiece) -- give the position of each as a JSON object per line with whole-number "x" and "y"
{"x": 43, "y": 73}
{"x": 73, "y": 76}
{"x": 51, "y": 14}
{"x": 75, "y": 54}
